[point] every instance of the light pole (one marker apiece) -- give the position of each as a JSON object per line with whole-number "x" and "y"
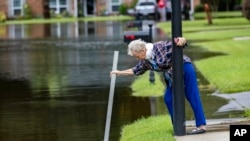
{"x": 178, "y": 86}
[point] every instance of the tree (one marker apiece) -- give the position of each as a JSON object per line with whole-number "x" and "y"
{"x": 213, "y": 4}
{"x": 207, "y": 9}
{"x": 246, "y": 9}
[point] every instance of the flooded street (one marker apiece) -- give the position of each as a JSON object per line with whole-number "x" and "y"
{"x": 54, "y": 82}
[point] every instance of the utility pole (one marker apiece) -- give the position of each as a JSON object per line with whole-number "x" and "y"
{"x": 178, "y": 86}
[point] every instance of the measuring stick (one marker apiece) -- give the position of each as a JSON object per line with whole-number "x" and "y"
{"x": 111, "y": 97}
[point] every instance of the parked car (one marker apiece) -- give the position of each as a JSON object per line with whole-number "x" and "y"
{"x": 146, "y": 8}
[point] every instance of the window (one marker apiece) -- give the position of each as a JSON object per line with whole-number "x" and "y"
{"x": 58, "y": 6}
{"x": 52, "y": 2}
{"x": 115, "y": 5}
{"x": 63, "y": 2}
{"x": 16, "y": 3}
{"x": 16, "y": 7}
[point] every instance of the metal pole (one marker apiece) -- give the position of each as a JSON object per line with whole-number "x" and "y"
{"x": 150, "y": 40}
{"x": 140, "y": 26}
{"x": 111, "y": 96}
{"x": 178, "y": 86}
{"x": 150, "y": 33}
{"x": 151, "y": 73}
{"x": 191, "y": 13}
{"x": 152, "y": 76}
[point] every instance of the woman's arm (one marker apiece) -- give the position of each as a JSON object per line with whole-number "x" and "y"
{"x": 122, "y": 72}
{"x": 163, "y": 52}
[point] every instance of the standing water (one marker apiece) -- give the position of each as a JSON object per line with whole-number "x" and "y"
{"x": 54, "y": 82}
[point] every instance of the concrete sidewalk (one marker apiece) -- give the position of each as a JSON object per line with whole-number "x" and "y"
{"x": 217, "y": 130}
{"x": 209, "y": 136}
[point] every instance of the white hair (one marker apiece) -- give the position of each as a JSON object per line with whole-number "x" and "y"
{"x": 135, "y": 46}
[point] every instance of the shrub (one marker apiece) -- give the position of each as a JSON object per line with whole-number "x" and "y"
{"x": 123, "y": 9}
{"x": 199, "y": 8}
{"x": 2, "y": 16}
{"x": 65, "y": 13}
{"x": 27, "y": 12}
{"x": 103, "y": 12}
{"x": 52, "y": 13}
{"x": 247, "y": 113}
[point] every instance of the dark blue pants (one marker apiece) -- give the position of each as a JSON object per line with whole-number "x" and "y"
{"x": 191, "y": 93}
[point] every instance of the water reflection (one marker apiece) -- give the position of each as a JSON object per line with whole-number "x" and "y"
{"x": 58, "y": 89}
{"x": 54, "y": 82}
{"x": 112, "y": 30}
{"x": 62, "y": 30}
{"x": 63, "y": 119}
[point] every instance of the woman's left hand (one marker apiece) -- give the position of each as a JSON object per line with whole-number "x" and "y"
{"x": 180, "y": 41}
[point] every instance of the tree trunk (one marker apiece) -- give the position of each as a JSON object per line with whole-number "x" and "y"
{"x": 246, "y": 9}
{"x": 208, "y": 12}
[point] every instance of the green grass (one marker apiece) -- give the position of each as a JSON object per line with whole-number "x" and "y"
{"x": 228, "y": 73}
{"x": 247, "y": 113}
{"x": 231, "y": 14}
{"x": 158, "y": 128}
{"x": 200, "y": 26}
{"x": 62, "y": 20}
{"x": 143, "y": 88}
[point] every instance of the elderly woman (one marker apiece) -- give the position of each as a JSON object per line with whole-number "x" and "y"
{"x": 158, "y": 57}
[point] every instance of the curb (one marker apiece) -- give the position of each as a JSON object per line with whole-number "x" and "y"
{"x": 220, "y": 124}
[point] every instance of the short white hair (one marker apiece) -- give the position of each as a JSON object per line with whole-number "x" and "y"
{"x": 136, "y": 46}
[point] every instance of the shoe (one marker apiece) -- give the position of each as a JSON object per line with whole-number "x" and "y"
{"x": 197, "y": 131}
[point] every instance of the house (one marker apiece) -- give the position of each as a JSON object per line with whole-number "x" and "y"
{"x": 76, "y": 8}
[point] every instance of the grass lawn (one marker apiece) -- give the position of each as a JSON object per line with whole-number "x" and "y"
{"x": 56, "y": 20}
{"x": 143, "y": 88}
{"x": 158, "y": 128}
{"x": 231, "y": 14}
{"x": 228, "y": 73}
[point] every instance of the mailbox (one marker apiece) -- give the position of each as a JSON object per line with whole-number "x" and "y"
{"x": 133, "y": 35}
{"x": 137, "y": 24}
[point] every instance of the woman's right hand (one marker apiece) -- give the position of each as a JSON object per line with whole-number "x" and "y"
{"x": 122, "y": 72}
{"x": 116, "y": 72}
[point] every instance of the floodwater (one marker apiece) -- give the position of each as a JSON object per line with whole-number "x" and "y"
{"x": 54, "y": 82}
